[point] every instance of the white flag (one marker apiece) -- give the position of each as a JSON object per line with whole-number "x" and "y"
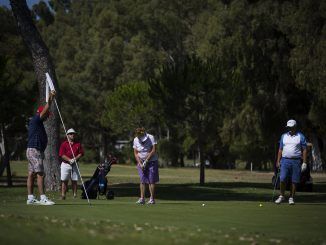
{"x": 49, "y": 84}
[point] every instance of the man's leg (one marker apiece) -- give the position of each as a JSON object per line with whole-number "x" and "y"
{"x": 40, "y": 183}
{"x": 74, "y": 178}
{"x": 74, "y": 187}
{"x": 152, "y": 191}
{"x": 296, "y": 174}
{"x": 30, "y": 183}
{"x": 65, "y": 175}
{"x": 64, "y": 185}
{"x": 293, "y": 188}
{"x": 282, "y": 188}
{"x": 283, "y": 175}
{"x": 142, "y": 190}
{"x": 31, "y": 200}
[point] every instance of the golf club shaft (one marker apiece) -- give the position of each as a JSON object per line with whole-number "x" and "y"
{"x": 64, "y": 128}
{"x": 275, "y": 184}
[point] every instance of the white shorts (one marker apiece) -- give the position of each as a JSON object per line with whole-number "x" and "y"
{"x": 69, "y": 172}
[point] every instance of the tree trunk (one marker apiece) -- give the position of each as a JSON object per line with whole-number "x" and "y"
{"x": 42, "y": 63}
{"x": 317, "y": 164}
{"x": 5, "y": 156}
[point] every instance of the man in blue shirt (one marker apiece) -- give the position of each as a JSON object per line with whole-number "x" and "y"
{"x": 293, "y": 149}
{"x": 37, "y": 142}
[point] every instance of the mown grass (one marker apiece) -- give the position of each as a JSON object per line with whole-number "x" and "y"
{"x": 231, "y": 214}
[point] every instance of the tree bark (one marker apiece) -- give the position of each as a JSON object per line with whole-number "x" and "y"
{"x": 42, "y": 63}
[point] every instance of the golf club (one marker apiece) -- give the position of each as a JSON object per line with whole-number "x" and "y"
{"x": 275, "y": 183}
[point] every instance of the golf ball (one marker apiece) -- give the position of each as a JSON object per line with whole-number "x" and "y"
{"x": 203, "y": 204}
{"x": 260, "y": 205}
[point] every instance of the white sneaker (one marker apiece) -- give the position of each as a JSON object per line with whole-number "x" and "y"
{"x": 141, "y": 201}
{"x": 279, "y": 199}
{"x": 151, "y": 201}
{"x": 32, "y": 201}
{"x": 46, "y": 201}
{"x": 291, "y": 201}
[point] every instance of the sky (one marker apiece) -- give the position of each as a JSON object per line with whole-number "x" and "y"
{"x": 6, "y": 3}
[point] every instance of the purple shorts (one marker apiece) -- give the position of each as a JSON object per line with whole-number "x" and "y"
{"x": 150, "y": 174}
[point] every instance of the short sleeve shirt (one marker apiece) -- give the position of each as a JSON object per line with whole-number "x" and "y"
{"x": 65, "y": 149}
{"x": 292, "y": 145}
{"x": 37, "y": 137}
{"x": 144, "y": 148}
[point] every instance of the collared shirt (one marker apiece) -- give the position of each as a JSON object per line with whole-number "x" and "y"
{"x": 37, "y": 137}
{"x": 144, "y": 148}
{"x": 65, "y": 149}
{"x": 292, "y": 145}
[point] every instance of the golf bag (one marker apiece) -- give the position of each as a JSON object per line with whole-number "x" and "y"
{"x": 97, "y": 185}
{"x": 305, "y": 183}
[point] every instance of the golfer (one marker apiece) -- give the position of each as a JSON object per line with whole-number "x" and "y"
{"x": 292, "y": 150}
{"x": 147, "y": 163}
{"x": 68, "y": 166}
{"x": 37, "y": 142}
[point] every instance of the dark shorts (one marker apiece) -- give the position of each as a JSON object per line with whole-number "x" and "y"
{"x": 35, "y": 160}
{"x": 290, "y": 168}
{"x": 150, "y": 174}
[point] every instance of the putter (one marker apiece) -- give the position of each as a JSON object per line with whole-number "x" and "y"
{"x": 143, "y": 164}
{"x": 275, "y": 184}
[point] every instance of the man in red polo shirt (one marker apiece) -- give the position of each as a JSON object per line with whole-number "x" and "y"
{"x": 68, "y": 166}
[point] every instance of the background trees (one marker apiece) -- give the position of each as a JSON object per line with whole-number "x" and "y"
{"x": 219, "y": 78}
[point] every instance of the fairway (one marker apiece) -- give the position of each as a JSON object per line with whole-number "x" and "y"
{"x": 231, "y": 214}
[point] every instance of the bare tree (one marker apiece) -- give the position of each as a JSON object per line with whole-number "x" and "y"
{"x": 42, "y": 63}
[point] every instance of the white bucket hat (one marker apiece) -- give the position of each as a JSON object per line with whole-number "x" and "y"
{"x": 71, "y": 131}
{"x": 291, "y": 123}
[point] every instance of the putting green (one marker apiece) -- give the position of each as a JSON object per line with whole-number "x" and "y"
{"x": 231, "y": 214}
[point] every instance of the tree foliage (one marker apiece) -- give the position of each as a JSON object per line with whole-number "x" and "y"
{"x": 223, "y": 76}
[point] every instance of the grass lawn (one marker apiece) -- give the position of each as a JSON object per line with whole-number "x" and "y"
{"x": 231, "y": 214}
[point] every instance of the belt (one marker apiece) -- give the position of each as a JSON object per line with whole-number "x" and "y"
{"x": 292, "y": 158}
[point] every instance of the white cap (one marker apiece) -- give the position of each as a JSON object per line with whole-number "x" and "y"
{"x": 143, "y": 138}
{"x": 71, "y": 131}
{"x": 291, "y": 123}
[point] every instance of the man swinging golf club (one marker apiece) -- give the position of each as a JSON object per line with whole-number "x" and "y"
{"x": 144, "y": 145}
{"x": 293, "y": 149}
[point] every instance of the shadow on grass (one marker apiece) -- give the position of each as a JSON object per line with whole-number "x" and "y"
{"x": 214, "y": 191}
{"x": 226, "y": 191}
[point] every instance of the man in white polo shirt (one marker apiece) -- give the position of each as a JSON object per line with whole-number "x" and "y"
{"x": 293, "y": 149}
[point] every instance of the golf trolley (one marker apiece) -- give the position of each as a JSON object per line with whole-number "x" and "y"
{"x": 97, "y": 185}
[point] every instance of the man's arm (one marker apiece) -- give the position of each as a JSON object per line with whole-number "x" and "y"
{"x": 47, "y": 105}
{"x": 304, "y": 155}
{"x": 279, "y": 156}
{"x": 64, "y": 157}
{"x": 78, "y": 156}
{"x": 136, "y": 157}
{"x": 150, "y": 154}
{"x": 80, "y": 152}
